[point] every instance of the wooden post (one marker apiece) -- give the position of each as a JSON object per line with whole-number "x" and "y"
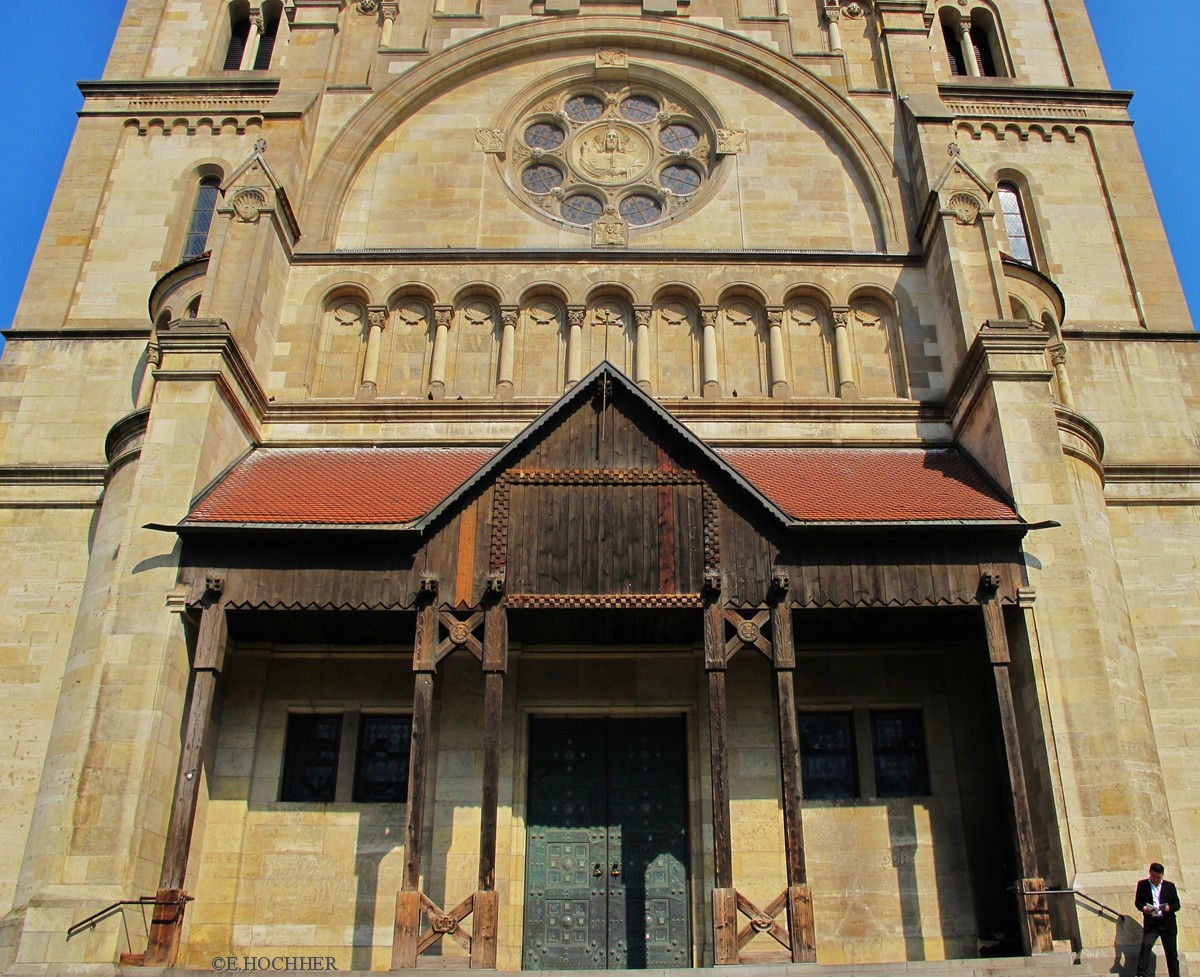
{"x": 1035, "y": 918}
{"x": 408, "y": 899}
{"x": 724, "y": 895}
{"x": 167, "y": 923}
{"x": 484, "y": 930}
{"x": 800, "y": 917}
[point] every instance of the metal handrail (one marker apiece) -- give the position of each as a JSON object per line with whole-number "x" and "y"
{"x": 1072, "y": 892}
{"x": 99, "y": 917}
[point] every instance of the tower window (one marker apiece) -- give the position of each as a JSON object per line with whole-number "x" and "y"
{"x": 266, "y": 43}
{"x": 1015, "y": 225}
{"x": 238, "y": 35}
{"x": 981, "y": 49}
{"x": 196, "y": 242}
{"x": 954, "y": 50}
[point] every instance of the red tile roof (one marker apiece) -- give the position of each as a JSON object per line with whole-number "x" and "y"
{"x": 397, "y": 486}
{"x": 870, "y": 484}
{"x": 338, "y": 486}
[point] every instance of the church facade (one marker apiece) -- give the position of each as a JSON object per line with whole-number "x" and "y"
{"x": 570, "y": 484}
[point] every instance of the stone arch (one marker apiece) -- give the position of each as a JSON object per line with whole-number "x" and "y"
{"x": 675, "y": 338}
{"x": 473, "y": 351}
{"x": 540, "y": 359}
{"x": 742, "y": 342}
{"x": 867, "y": 154}
{"x": 609, "y": 329}
{"x": 809, "y": 348}
{"x": 341, "y": 346}
{"x": 406, "y": 352}
{"x": 876, "y": 345}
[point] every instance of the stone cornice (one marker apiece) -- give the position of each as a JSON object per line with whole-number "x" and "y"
{"x": 238, "y": 385}
{"x": 232, "y": 85}
{"x": 594, "y": 256}
{"x": 1002, "y": 92}
{"x": 141, "y": 333}
{"x": 52, "y": 474}
{"x": 1132, "y": 335}
{"x": 1080, "y": 438}
{"x": 1001, "y": 338}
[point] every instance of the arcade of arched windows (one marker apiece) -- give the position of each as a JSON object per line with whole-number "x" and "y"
{"x": 674, "y": 347}
{"x": 972, "y": 41}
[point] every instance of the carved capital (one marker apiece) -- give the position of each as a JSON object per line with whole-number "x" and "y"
{"x": 775, "y": 318}
{"x": 1058, "y": 354}
{"x": 575, "y": 316}
{"x": 508, "y": 316}
{"x": 377, "y": 316}
{"x": 442, "y": 314}
{"x": 708, "y": 318}
{"x": 642, "y": 318}
{"x": 367, "y": 6}
{"x": 841, "y": 318}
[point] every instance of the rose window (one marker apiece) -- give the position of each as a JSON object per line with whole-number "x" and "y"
{"x": 629, "y": 152}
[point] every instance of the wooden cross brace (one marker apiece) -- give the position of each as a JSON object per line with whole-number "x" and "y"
{"x": 747, "y": 633}
{"x": 459, "y": 633}
{"x": 443, "y": 923}
{"x": 763, "y": 921}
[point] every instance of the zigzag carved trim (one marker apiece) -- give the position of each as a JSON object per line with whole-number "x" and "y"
{"x": 527, "y": 601}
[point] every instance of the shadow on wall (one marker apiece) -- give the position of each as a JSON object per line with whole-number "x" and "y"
{"x": 1127, "y": 942}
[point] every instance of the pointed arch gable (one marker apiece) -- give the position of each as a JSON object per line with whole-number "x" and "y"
{"x": 868, "y": 155}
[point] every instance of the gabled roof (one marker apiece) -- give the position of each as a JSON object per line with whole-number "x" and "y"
{"x": 408, "y": 488}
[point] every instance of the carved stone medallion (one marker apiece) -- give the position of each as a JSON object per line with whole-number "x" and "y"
{"x": 965, "y": 208}
{"x": 246, "y": 204}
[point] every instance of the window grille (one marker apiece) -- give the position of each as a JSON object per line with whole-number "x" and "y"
{"x": 196, "y": 242}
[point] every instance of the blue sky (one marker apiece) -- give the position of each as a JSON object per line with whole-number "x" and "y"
{"x": 1153, "y": 55}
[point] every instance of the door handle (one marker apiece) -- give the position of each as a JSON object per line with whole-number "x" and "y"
{"x": 598, "y": 870}
{"x": 616, "y": 870}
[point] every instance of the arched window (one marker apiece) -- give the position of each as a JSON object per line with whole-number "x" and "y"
{"x": 239, "y": 33}
{"x": 1015, "y": 224}
{"x": 954, "y": 52}
{"x": 981, "y": 50}
{"x": 196, "y": 242}
{"x": 266, "y": 43}
{"x": 972, "y": 46}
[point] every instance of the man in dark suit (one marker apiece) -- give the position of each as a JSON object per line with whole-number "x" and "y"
{"x": 1158, "y": 902}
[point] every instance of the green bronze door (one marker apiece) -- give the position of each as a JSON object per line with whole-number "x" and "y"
{"x": 606, "y": 856}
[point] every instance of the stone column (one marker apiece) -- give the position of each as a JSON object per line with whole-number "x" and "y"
{"x": 575, "y": 315}
{"x": 508, "y": 352}
{"x": 1058, "y": 356}
{"x": 390, "y": 12}
{"x": 833, "y": 14}
{"x": 376, "y": 322}
{"x": 641, "y": 348}
{"x": 847, "y": 388}
{"x": 441, "y": 339}
{"x": 710, "y": 386}
{"x": 146, "y": 388}
{"x": 250, "y": 53}
{"x": 968, "y": 48}
{"x": 776, "y": 366}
